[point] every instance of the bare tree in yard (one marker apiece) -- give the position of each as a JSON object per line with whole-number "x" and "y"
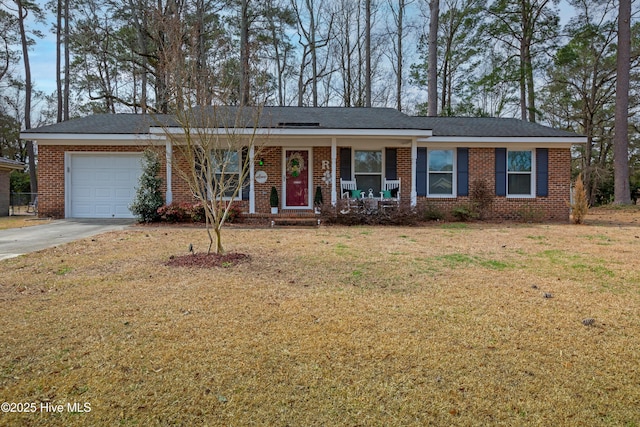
{"x": 218, "y": 144}
{"x": 621, "y": 132}
{"x": 214, "y": 142}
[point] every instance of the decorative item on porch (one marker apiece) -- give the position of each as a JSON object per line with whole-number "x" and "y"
{"x": 295, "y": 165}
{"x": 317, "y": 199}
{"x": 274, "y": 201}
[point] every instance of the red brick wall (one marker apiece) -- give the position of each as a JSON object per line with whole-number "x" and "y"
{"x": 5, "y": 184}
{"x": 481, "y": 166}
{"x": 322, "y": 158}
{"x": 404, "y": 173}
{"x": 272, "y": 157}
{"x": 553, "y": 207}
{"x": 51, "y": 174}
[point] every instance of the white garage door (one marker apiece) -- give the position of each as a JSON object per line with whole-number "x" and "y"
{"x": 103, "y": 185}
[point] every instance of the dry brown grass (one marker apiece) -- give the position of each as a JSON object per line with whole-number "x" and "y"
{"x": 20, "y": 221}
{"x": 434, "y": 325}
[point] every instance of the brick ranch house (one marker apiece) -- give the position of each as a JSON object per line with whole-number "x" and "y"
{"x": 89, "y": 167}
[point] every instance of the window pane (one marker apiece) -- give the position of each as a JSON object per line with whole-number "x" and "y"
{"x": 520, "y": 184}
{"x": 229, "y": 183}
{"x": 440, "y": 160}
{"x": 225, "y": 159}
{"x": 519, "y": 161}
{"x": 441, "y": 183}
{"x": 365, "y": 182}
{"x": 368, "y": 161}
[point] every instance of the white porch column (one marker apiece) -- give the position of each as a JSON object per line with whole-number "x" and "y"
{"x": 168, "y": 149}
{"x": 334, "y": 156}
{"x": 414, "y": 162}
{"x": 252, "y": 186}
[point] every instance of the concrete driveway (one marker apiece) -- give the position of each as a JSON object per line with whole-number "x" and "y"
{"x": 18, "y": 241}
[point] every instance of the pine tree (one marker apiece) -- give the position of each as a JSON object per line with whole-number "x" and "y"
{"x": 148, "y": 193}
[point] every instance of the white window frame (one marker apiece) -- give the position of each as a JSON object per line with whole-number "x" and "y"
{"x": 531, "y": 173}
{"x": 237, "y": 172}
{"x": 379, "y": 174}
{"x": 454, "y": 174}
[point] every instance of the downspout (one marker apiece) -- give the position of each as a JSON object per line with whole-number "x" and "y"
{"x": 414, "y": 162}
{"x": 334, "y": 157}
{"x": 168, "y": 147}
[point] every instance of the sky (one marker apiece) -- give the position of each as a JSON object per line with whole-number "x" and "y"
{"x": 43, "y": 54}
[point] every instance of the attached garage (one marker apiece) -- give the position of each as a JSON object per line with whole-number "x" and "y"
{"x": 101, "y": 185}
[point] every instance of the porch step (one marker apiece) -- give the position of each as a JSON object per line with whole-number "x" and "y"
{"x": 300, "y": 221}
{"x": 287, "y": 218}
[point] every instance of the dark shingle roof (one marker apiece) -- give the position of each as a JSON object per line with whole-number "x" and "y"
{"x": 310, "y": 117}
{"x": 10, "y": 164}
{"x": 488, "y": 127}
{"x": 102, "y": 124}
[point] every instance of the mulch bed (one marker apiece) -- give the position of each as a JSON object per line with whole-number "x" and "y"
{"x": 204, "y": 260}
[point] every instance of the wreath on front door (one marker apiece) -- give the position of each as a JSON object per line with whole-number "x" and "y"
{"x": 295, "y": 165}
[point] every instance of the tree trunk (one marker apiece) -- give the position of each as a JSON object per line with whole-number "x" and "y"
{"x": 59, "y": 60}
{"x": 399, "y": 56}
{"x": 531, "y": 97}
{"x": 314, "y": 53}
{"x": 22, "y": 16}
{"x": 219, "y": 248}
{"x": 367, "y": 48}
{"x": 245, "y": 84}
{"x": 432, "y": 68}
{"x": 67, "y": 62}
{"x": 621, "y": 130}
{"x": 522, "y": 84}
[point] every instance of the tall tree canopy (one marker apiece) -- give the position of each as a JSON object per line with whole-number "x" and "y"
{"x": 506, "y": 58}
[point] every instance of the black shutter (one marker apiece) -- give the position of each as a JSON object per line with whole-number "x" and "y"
{"x": 391, "y": 163}
{"x": 463, "y": 171}
{"x": 501, "y": 171}
{"x": 345, "y": 163}
{"x": 245, "y": 184}
{"x": 421, "y": 172}
{"x": 542, "y": 172}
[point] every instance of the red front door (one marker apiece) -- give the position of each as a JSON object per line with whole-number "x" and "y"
{"x": 297, "y": 178}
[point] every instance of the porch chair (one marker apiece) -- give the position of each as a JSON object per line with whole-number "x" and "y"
{"x": 347, "y": 189}
{"x": 389, "y": 187}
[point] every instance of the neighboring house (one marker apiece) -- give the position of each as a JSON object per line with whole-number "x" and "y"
{"x": 6, "y": 166}
{"x": 89, "y": 167}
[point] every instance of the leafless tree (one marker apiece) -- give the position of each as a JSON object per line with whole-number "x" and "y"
{"x": 217, "y": 145}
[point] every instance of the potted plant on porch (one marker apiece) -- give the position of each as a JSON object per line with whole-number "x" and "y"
{"x": 317, "y": 200}
{"x": 274, "y": 201}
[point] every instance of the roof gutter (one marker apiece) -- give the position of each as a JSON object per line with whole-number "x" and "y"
{"x": 494, "y": 140}
{"x": 300, "y": 132}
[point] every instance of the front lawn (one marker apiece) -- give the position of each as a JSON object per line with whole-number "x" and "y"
{"x": 18, "y": 221}
{"x": 479, "y": 324}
